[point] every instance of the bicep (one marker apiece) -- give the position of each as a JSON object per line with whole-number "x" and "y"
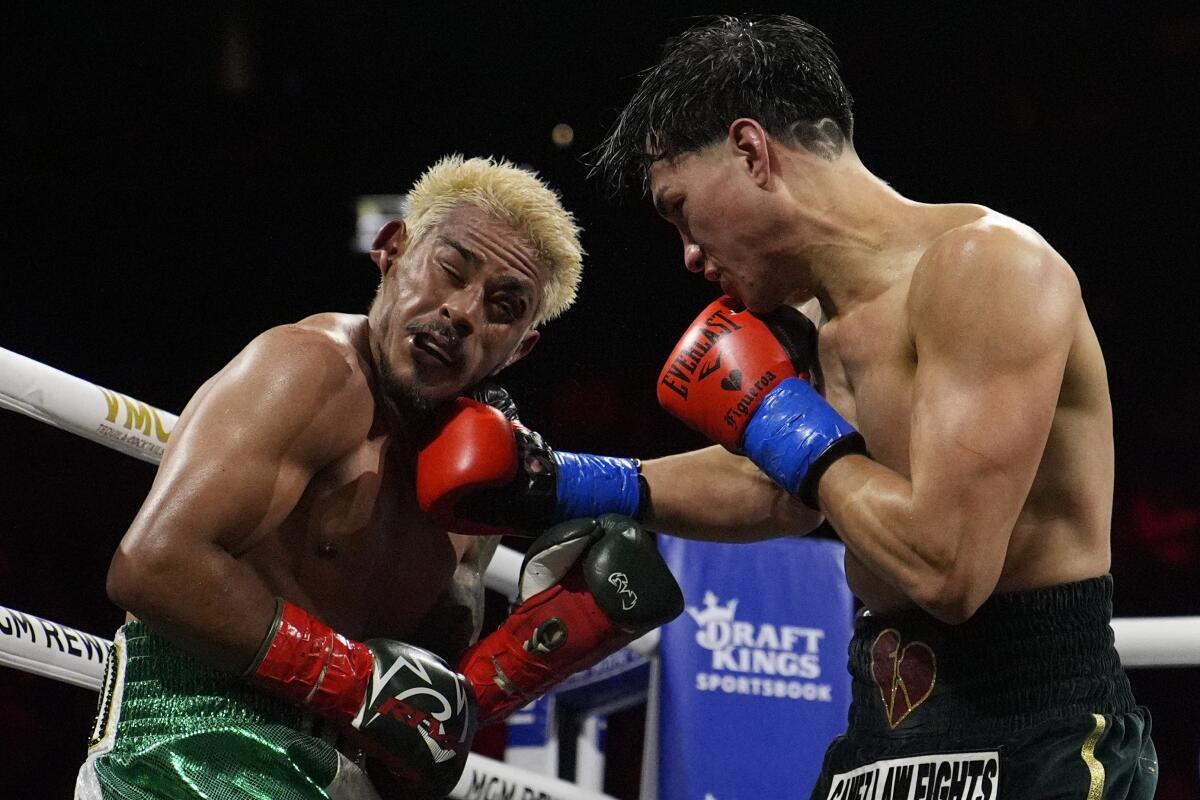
{"x": 977, "y": 436}
{"x": 218, "y": 484}
{"x": 241, "y": 456}
{"x": 991, "y": 352}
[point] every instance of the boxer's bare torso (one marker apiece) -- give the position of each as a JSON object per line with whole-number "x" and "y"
{"x": 356, "y": 549}
{"x": 347, "y": 541}
{"x": 954, "y": 338}
{"x": 869, "y": 361}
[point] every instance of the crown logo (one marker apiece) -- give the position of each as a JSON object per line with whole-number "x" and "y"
{"x": 714, "y": 621}
{"x": 713, "y": 612}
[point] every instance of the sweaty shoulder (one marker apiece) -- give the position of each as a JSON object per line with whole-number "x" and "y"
{"x": 997, "y": 272}
{"x": 307, "y": 382}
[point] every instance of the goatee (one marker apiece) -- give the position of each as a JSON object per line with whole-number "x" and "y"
{"x": 414, "y": 408}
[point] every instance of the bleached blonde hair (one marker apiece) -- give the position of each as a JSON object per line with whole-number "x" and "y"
{"x": 515, "y": 196}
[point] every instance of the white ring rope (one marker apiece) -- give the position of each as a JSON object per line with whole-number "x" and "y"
{"x": 41, "y": 647}
{"x": 1158, "y": 641}
{"x": 122, "y": 423}
{"x": 85, "y": 409}
{"x": 36, "y": 645}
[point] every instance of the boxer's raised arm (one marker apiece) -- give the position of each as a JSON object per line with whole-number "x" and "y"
{"x": 716, "y": 495}
{"x": 238, "y": 461}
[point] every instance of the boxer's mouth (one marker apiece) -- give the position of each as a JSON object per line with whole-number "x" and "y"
{"x": 441, "y": 346}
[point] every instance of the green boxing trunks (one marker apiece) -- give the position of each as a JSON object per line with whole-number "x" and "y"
{"x": 169, "y": 726}
{"x": 1024, "y": 701}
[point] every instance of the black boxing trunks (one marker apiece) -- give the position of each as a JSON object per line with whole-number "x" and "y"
{"x": 1025, "y": 700}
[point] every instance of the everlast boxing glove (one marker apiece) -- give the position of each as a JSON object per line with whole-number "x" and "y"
{"x": 588, "y": 588}
{"x": 401, "y": 704}
{"x": 484, "y": 473}
{"x": 742, "y": 380}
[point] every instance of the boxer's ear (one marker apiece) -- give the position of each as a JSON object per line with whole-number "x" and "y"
{"x": 389, "y": 244}
{"x": 749, "y": 143}
{"x": 527, "y": 342}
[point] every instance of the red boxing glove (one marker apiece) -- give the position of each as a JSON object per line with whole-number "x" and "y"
{"x": 402, "y": 704}
{"x": 484, "y": 473}
{"x": 475, "y": 449}
{"x": 588, "y": 588}
{"x": 728, "y": 361}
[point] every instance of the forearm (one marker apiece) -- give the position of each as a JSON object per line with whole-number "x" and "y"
{"x": 873, "y": 510}
{"x": 200, "y": 597}
{"x": 715, "y": 495}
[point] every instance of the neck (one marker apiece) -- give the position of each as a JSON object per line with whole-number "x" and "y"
{"x": 851, "y": 242}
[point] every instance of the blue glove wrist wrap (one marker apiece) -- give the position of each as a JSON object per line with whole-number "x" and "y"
{"x": 792, "y": 428}
{"x": 591, "y": 485}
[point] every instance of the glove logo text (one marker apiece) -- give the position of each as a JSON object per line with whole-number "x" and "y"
{"x": 744, "y": 405}
{"x": 429, "y": 724}
{"x": 441, "y": 744}
{"x": 709, "y": 368}
{"x": 685, "y": 363}
{"x": 628, "y": 597}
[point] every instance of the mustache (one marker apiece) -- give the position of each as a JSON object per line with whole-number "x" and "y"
{"x": 443, "y": 332}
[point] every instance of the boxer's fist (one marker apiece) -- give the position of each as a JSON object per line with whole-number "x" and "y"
{"x": 742, "y": 380}
{"x": 402, "y": 705}
{"x": 417, "y": 716}
{"x": 484, "y": 473}
{"x": 588, "y": 588}
{"x": 728, "y": 361}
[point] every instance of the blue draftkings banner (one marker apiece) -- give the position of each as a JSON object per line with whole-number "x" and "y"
{"x": 754, "y": 680}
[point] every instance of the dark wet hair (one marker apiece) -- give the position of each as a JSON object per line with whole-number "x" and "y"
{"x": 777, "y": 70}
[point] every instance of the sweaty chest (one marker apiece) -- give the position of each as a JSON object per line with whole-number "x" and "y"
{"x": 368, "y": 553}
{"x": 868, "y": 365}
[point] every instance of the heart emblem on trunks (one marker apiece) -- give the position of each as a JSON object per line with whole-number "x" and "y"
{"x": 905, "y": 674}
{"x": 733, "y": 381}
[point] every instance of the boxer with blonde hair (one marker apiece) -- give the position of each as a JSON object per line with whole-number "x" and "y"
{"x": 298, "y": 625}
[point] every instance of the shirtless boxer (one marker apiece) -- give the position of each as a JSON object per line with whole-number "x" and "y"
{"x": 282, "y": 531}
{"x": 958, "y": 438}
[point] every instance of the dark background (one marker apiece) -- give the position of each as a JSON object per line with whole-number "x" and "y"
{"x": 178, "y": 180}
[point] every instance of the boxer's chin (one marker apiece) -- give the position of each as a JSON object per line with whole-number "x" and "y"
{"x": 409, "y": 398}
{"x": 757, "y": 304}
